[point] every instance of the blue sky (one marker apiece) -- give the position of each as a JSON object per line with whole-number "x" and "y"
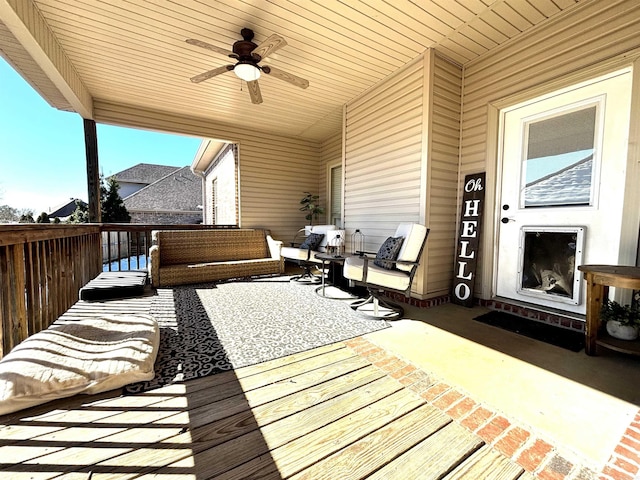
{"x": 42, "y": 153}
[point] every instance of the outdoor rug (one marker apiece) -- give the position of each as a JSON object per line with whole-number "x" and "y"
{"x": 560, "y": 337}
{"x": 208, "y": 329}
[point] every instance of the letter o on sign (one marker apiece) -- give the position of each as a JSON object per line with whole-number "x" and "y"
{"x": 462, "y": 291}
{"x": 473, "y": 185}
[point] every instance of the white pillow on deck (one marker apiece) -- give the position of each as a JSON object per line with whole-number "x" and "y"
{"x": 89, "y": 355}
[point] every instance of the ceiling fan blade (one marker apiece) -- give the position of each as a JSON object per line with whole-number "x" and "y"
{"x": 211, "y": 73}
{"x": 287, "y": 77}
{"x": 208, "y": 46}
{"x": 254, "y": 92}
{"x": 270, "y": 45}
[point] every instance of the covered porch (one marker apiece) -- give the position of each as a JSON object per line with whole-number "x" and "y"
{"x": 404, "y": 101}
{"x": 436, "y": 395}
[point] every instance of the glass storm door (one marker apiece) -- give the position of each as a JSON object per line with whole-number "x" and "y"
{"x": 552, "y": 156}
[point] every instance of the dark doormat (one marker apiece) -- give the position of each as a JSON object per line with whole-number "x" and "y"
{"x": 557, "y": 336}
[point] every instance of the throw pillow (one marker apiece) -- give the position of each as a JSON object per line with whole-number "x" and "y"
{"x": 313, "y": 241}
{"x": 388, "y": 251}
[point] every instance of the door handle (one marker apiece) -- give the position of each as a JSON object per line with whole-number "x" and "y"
{"x": 507, "y": 219}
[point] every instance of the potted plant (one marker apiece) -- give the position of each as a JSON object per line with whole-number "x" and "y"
{"x": 310, "y": 205}
{"x": 622, "y": 321}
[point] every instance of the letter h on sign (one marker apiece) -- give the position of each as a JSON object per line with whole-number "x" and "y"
{"x": 468, "y": 240}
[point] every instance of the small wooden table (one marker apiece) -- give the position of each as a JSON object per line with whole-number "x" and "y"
{"x": 599, "y": 278}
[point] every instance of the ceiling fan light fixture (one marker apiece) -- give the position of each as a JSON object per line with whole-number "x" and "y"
{"x": 247, "y": 71}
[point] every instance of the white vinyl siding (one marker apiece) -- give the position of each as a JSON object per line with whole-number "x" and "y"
{"x": 561, "y": 52}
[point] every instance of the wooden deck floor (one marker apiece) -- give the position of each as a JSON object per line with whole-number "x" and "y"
{"x": 326, "y": 413}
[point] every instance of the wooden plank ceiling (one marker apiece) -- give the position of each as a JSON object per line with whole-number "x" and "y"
{"x": 134, "y": 52}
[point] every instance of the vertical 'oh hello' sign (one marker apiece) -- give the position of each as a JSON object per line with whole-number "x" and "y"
{"x": 468, "y": 239}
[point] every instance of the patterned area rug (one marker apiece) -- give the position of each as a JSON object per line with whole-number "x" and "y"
{"x": 207, "y": 329}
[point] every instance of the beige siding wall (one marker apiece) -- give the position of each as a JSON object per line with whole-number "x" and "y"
{"x": 274, "y": 170}
{"x": 401, "y": 163}
{"x": 383, "y": 156}
{"x": 589, "y": 40}
{"x": 442, "y": 175}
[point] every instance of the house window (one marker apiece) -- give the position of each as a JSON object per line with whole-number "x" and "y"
{"x": 335, "y": 195}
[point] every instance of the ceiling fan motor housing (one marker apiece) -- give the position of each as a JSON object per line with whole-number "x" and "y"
{"x": 243, "y": 48}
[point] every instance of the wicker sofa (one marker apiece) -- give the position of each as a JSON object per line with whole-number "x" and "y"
{"x": 194, "y": 256}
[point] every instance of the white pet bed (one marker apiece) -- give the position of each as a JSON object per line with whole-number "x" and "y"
{"x": 90, "y": 355}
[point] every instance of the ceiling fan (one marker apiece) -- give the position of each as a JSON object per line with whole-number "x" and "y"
{"x": 248, "y": 56}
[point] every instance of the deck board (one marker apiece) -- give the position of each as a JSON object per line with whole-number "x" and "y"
{"x": 322, "y": 413}
{"x": 488, "y": 463}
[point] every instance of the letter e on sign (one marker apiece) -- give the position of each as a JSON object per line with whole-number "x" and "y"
{"x": 464, "y": 275}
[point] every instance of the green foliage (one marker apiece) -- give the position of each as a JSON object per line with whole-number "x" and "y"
{"x": 113, "y": 209}
{"x": 80, "y": 214}
{"x": 43, "y": 218}
{"x": 310, "y": 205}
{"x": 27, "y": 217}
{"x": 625, "y": 314}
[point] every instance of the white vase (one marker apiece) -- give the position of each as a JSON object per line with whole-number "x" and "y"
{"x": 622, "y": 332}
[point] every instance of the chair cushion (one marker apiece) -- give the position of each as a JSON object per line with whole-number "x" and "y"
{"x": 312, "y": 242}
{"x": 388, "y": 251}
{"x": 392, "y": 279}
{"x": 414, "y": 235}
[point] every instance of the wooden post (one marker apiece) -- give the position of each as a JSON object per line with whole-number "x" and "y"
{"x": 93, "y": 175}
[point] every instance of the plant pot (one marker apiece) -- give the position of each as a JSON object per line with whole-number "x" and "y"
{"x": 622, "y": 332}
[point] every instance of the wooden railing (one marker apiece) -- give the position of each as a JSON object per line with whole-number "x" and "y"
{"x": 43, "y": 267}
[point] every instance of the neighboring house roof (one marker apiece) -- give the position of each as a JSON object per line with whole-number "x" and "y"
{"x": 66, "y": 209}
{"x": 179, "y": 190}
{"x": 145, "y": 173}
{"x": 570, "y": 185}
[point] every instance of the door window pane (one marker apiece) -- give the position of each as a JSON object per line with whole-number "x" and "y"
{"x": 558, "y": 166}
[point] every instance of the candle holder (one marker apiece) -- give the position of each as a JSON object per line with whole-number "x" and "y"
{"x": 335, "y": 242}
{"x": 357, "y": 242}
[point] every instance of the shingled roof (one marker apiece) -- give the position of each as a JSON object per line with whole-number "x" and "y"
{"x": 179, "y": 190}
{"x": 146, "y": 173}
